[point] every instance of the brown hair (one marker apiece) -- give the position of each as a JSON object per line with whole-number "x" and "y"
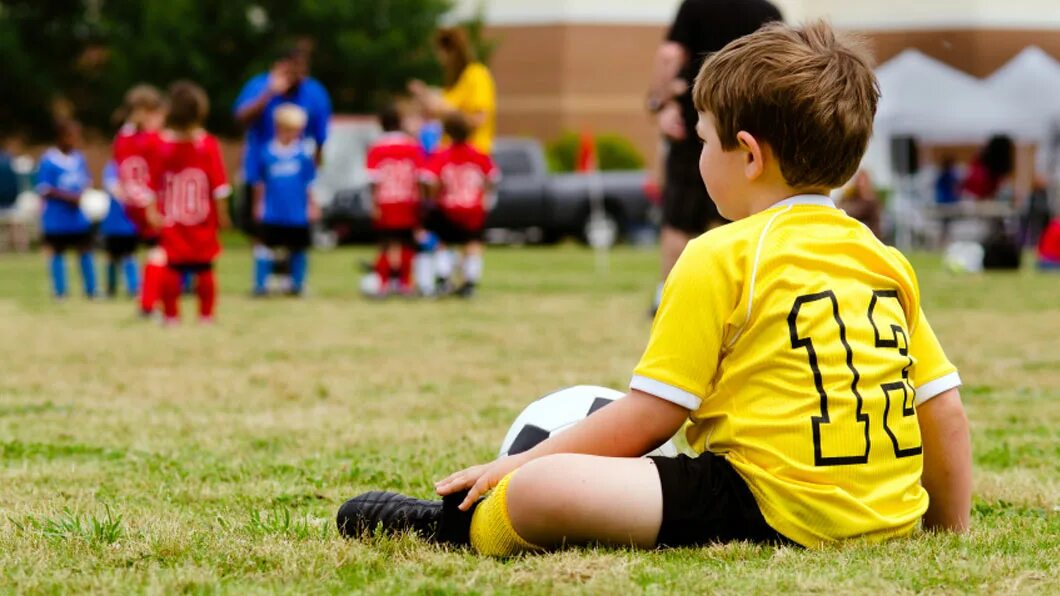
{"x": 454, "y": 41}
{"x": 139, "y": 97}
{"x": 809, "y": 94}
{"x": 188, "y": 105}
{"x": 456, "y": 127}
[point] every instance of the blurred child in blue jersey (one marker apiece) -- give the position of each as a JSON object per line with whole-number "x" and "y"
{"x": 120, "y": 237}
{"x": 283, "y": 205}
{"x": 62, "y": 177}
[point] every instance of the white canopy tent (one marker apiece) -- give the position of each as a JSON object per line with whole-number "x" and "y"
{"x": 1030, "y": 83}
{"x": 927, "y": 99}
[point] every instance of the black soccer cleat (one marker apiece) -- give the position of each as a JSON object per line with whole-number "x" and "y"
{"x": 437, "y": 521}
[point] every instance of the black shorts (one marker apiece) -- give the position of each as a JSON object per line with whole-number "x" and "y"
{"x": 706, "y": 501}
{"x": 120, "y": 246}
{"x": 450, "y": 232}
{"x": 183, "y": 268}
{"x": 686, "y": 206}
{"x": 62, "y": 242}
{"x": 293, "y": 238}
{"x": 404, "y": 237}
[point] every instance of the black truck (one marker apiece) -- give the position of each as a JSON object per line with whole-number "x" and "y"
{"x": 530, "y": 201}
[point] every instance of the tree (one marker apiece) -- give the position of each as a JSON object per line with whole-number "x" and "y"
{"x": 87, "y": 53}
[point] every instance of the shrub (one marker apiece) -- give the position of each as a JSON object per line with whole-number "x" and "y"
{"x": 613, "y": 152}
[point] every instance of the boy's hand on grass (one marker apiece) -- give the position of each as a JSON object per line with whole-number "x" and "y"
{"x": 478, "y": 479}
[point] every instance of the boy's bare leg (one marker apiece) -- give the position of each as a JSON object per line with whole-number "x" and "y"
{"x": 576, "y": 499}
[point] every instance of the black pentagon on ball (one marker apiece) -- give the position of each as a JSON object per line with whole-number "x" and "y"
{"x": 597, "y": 404}
{"x": 528, "y": 437}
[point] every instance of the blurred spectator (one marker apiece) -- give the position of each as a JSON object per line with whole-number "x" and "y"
{"x": 990, "y": 169}
{"x": 468, "y": 88}
{"x": 861, "y": 202}
{"x": 701, "y": 27}
{"x": 287, "y": 82}
{"x": 947, "y": 184}
{"x": 8, "y": 181}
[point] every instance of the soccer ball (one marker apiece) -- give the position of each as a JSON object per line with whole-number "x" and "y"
{"x": 370, "y": 285}
{"x": 27, "y": 206}
{"x": 558, "y": 411}
{"x": 95, "y": 204}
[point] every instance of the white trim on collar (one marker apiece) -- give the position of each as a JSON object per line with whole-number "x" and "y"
{"x": 818, "y": 200}
{"x": 295, "y": 148}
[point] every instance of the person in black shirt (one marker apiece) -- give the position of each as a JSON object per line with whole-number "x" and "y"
{"x": 701, "y": 27}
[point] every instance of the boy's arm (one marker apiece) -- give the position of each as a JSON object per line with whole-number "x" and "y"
{"x": 947, "y": 462}
{"x": 628, "y": 427}
{"x": 257, "y": 191}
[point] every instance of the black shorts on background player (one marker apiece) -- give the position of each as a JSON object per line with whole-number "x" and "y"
{"x": 450, "y": 232}
{"x": 701, "y": 28}
{"x": 686, "y": 206}
{"x": 119, "y": 247}
{"x": 706, "y": 501}
{"x": 63, "y": 242}
{"x": 293, "y": 238}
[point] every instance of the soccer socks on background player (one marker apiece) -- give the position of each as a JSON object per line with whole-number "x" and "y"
{"x": 444, "y": 262}
{"x": 472, "y": 269}
{"x": 170, "y": 286}
{"x": 262, "y": 269}
{"x": 299, "y": 269}
{"x": 57, "y": 273}
{"x": 112, "y": 279}
{"x": 132, "y": 276}
{"x": 206, "y": 288}
{"x": 88, "y": 273}
{"x": 492, "y": 533}
{"x": 423, "y": 270}
{"x": 154, "y": 275}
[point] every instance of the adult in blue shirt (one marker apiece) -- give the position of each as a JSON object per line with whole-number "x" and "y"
{"x": 287, "y": 82}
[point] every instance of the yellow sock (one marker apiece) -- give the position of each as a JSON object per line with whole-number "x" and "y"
{"x": 492, "y": 533}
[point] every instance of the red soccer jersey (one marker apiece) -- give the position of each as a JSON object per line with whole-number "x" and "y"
{"x": 462, "y": 174}
{"x": 134, "y": 152}
{"x": 1049, "y": 243}
{"x": 188, "y": 180}
{"x": 395, "y": 164}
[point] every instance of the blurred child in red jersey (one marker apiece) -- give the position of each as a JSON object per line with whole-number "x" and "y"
{"x": 190, "y": 182}
{"x": 135, "y": 147}
{"x": 460, "y": 178}
{"x": 1049, "y": 247}
{"x": 395, "y": 165}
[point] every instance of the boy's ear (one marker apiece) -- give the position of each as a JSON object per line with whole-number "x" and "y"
{"x": 753, "y": 165}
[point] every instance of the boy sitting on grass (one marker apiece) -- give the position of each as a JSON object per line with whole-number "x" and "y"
{"x": 819, "y": 399}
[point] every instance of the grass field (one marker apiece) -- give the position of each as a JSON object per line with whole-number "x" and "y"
{"x": 212, "y": 459}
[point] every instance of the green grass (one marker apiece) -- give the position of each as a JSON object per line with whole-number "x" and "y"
{"x": 212, "y": 459}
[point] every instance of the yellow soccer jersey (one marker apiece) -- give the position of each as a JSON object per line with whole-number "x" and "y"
{"x": 796, "y": 339}
{"x": 474, "y": 92}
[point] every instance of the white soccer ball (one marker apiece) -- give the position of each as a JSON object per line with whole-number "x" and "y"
{"x": 27, "y": 206}
{"x": 370, "y": 285}
{"x": 95, "y": 204}
{"x": 964, "y": 257}
{"x": 558, "y": 411}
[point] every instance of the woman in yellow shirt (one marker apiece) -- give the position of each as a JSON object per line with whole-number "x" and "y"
{"x": 468, "y": 89}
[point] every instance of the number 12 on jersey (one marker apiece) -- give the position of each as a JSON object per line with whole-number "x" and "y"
{"x": 842, "y": 432}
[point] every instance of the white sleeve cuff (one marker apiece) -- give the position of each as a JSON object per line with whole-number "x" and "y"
{"x": 668, "y": 392}
{"x": 940, "y": 385}
{"x": 222, "y": 191}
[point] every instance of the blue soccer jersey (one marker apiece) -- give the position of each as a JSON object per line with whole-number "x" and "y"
{"x": 117, "y": 223}
{"x": 286, "y": 172}
{"x": 66, "y": 172}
